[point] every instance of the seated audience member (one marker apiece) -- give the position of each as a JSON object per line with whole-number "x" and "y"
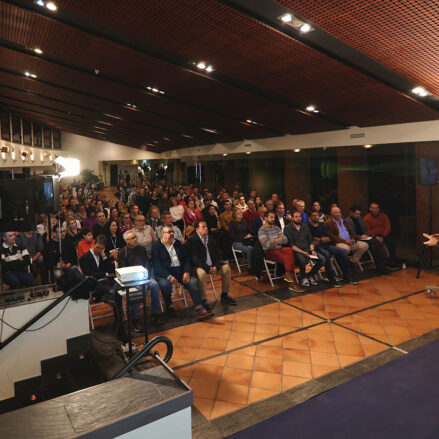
{"x": 325, "y": 250}
{"x": 226, "y": 217}
{"x": 269, "y": 204}
{"x": 275, "y": 199}
{"x": 191, "y": 215}
{"x": 133, "y": 210}
{"x": 301, "y": 241}
{"x": 167, "y": 221}
{"x": 143, "y": 202}
{"x": 33, "y": 243}
{"x": 294, "y": 204}
{"x": 15, "y": 263}
{"x": 252, "y": 195}
{"x": 154, "y": 198}
{"x": 250, "y": 214}
{"x": 91, "y": 219}
{"x": 71, "y": 215}
{"x": 259, "y": 221}
{"x": 241, "y": 204}
{"x": 131, "y": 255}
{"x": 86, "y": 243}
{"x": 212, "y": 201}
{"x": 153, "y": 217}
{"x": 114, "y": 215}
{"x": 163, "y": 204}
{"x": 145, "y": 234}
{"x": 300, "y": 207}
{"x": 272, "y": 241}
{"x": 171, "y": 266}
{"x": 100, "y": 208}
{"x": 378, "y": 225}
{"x": 341, "y": 235}
{"x": 222, "y": 237}
{"x": 206, "y": 260}
{"x": 177, "y": 212}
{"x": 240, "y": 235}
{"x": 72, "y": 232}
{"x": 317, "y": 208}
{"x": 95, "y": 263}
{"x": 360, "y": 232}
{"x": 211, "y": 218}
{"x": 126, "y": 223}
{"x": 114, "y": 240}
{"x": 100, "y": 228}
{"x": 281, "y": 220}
{"x": 81, "y": 215}
{"x": 51, "y": 252}
{"x": 258, "y": 202}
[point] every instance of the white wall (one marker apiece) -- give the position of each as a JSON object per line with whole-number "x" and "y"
{"x": 92, "y": 151}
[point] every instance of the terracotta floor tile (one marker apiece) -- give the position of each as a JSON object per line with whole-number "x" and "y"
{"x": 243, "y": 326}
{"x": 232, "y": 344}
{"x": 267, "y": 319}
{"x": 268, "y": 351}
{"x": 297, "y": 340}
{"x": 234, "y": 393}
{"x": 268, "y": 330}
{"x": 250, "y": 350}
{"x": 265, "y": 380}
{"x": 245, "y": 317}
{"x": 236, "y": 376}
{"x": 204, "y": 405}
{"x": 322, "y": 369}
{"x": 205, "y": 353}
{"x": 221, "y": 408}
{"x": 240, "y": 361}
{"x": 219, "y": 360}
{"x": 296, "y": 355}
{"x": 345, "y": 360}
{"x": 204, "y": 388}
{"x": 222, "y": 334}
{"x": 242, "y": 336}
{"x": 325, "y": 358}
{"x": 294, "y": 368}
{"x": 257, "y": 394}
{"x": 196, "y": 330}
{"x": 185, "y": 353}
{"x": 214, "y": 344}
{"x": 206, "y": 371}
{"x": 271, "y": 365}
{"x": 321, "y": 345}
{"x": 371, "y": 347}
{"x": 189, "y": 342}
{"x": 288, "y": 382}
{"x": 349, "y": 348}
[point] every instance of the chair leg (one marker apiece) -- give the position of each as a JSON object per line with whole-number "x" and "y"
{"x": 236, "y": 260}
{"x": 268, "y": 273}
{"x": 91, "y": 316}
{"x": 184, "y": 295}
{"x": 213, "y": 287}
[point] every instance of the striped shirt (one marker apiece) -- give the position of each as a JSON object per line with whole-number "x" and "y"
{"x": 14, "y": 259}
{"x": 267, "y": 233}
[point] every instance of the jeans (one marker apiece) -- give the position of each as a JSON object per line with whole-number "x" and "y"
{"x": 191, "y": 286}
{"x": 19, "y": 279}
{"x": 154, "y": 290}
{"x": 340, "y": 255}
{"x": 302, "y": 260}
{"x": 247, "y": 250}
{"x": 325, "y": 257}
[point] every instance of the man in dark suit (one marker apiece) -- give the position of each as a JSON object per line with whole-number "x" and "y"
{"x": 259, "y": 221}
{"x": 172, "y": 265}
{"x": 96, "y": 264}
{"x": 281, "y": 220}
{"x": 206, "y": 260}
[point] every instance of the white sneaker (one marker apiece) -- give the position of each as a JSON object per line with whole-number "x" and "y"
{"x": 305, "y": 283}
{"x": 312, "y": 281}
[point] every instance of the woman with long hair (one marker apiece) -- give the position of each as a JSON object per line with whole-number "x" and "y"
{"x": 191, "y": 216}
{"x": 114, "y": 240}
{"x": 114, "y": 215}
{"x": 125, "y": 223}
{"x": 91, "y": 219}
{"x": 73, "y": 232}
{"x": 177, "y": 212}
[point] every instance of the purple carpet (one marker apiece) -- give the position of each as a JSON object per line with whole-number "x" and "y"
{"x": 398, "y": 400}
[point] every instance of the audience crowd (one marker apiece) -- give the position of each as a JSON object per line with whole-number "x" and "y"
{"x": 183, "y": 235}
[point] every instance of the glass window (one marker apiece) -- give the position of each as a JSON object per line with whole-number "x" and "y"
{"x": 27, "y": 132}
{"x": 5, "y": 127}
{"x": 38, "y": 141}
{"x": 16, "y": 129}
{"x": 57, "y": 139}
{"x": 47, "y": 132}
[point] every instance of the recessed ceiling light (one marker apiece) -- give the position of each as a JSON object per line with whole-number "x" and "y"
{"x": 210, "y": 130}
{"x": 305, "y": 28}
{"x": 187, "y": 136}
{"x": 26, "y": 74}
{"x": 368, "y": 146}
{"x": 40, "y": 3}
{"x": 51, "y": 6}
{"x": 201, "y": 65}
{"x": 105, "y": 123}
{"x": 420, "y": 91}
{"x": 166, "y": 138}
{"x": 248, "y": 152}
{"x": 311, "y": 108}
{"x": 33, "y": 75}
{"x": 130, "y": 105}
{"x": 297, "y": 150}
{"x": 286, "y": 18}
{"x": 37, "y": 50}
{"x": 225, "y": 154}
{"x": 113, "y": 116}
{"x": 209, "y": 69}
{"x": 249, "y": 121}
{"x": 155, "y": 141}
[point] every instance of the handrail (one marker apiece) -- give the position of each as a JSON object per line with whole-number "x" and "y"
{"x": 146, "y": 351}
{"x": 42, "y": 313}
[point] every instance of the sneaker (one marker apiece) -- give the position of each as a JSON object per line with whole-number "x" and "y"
{"x": 137, "y": 325}
{"x": 312, "y": 281}
{"x": 288, "y": 277}
{"x": 201, "y": 314}
{"x": 392, "y": 267}
{"x": 206, "y": 305}
{"x": 351, "y": 281}
{"x": 335, "y": 283}
{"x": 171, "y": 312}
{"x": 304, "y": 283}
{"x": 156, "y": 320}
{"x": 227, "y": 300}
{"x": 295, "y": 287}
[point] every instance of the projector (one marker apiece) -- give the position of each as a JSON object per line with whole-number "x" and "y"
{"x": 132, "y": 274}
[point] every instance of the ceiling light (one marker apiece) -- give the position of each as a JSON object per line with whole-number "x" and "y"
{"x": 51, "y": 6}
{"x": 106, "y": 123}
{"x": 311, "y": 109}
{"x": 209, "y": 69}
{"x": 112, "y": 115}
{"x": 33, "y": 75}
{"x": 248, "y": 152}
{"x": 37, "y": 50}
{"x": 286, "y": 18}
{"x": 210, "y": 130}
{"x": 297, "y": 150}
{"x": 201, "y": 65}
{"x": 420, "y": 91}
{"x": 368, "y": 146}
{"x": 26, "y": 74}
{"x": 249, "y": 121}
{"x": 305, "y": 28}
{"x": 40, "y": 3}
{"x": 155, "y": 141}
{"x": 166, "y": 138}
{"x": 187, "y": 136}
{"x": 68, "y": 167}
{"x": 225, "y": 154}
{"x": 130, "y": 105}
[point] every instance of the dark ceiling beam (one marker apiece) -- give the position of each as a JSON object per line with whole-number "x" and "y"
{"x": 129, "y": 84}
{"x": 269, "y": 11}
{"x": 77, "y": 21}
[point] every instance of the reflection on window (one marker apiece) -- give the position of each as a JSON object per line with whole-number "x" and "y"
{"x": 47, "y": 132}
{"x": 38, "y": 141}
{"x": 27, "y": 132}
{"x": 16, "y": 129}
{"x": 4, "y": 125}
{"x": 57, "y": 139}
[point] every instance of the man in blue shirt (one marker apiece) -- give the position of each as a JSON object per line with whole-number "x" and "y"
{"x": 300, "y": 206}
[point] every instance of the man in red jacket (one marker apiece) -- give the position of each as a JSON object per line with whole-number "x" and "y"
{"x": 378, "y": 225}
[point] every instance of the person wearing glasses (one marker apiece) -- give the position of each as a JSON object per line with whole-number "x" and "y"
{"x": 172, "y": 266}
{"x": 145, "y": 233}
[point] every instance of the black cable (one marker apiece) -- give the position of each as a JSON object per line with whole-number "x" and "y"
{"x": 1, "y": 327}
{"x": 41, "y": 327}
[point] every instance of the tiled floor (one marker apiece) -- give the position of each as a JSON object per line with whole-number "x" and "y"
{"x": 260, "y": 350}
